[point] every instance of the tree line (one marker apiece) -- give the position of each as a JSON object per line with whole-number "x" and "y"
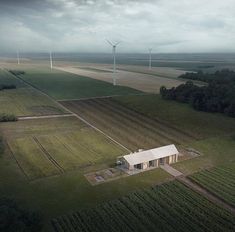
{"x": 217, "y": 96}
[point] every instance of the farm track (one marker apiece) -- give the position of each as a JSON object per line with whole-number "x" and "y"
{"x": 45, "y": 116}
{"x": 204, "y": 192}
{"x": 127, "y": 126}
{"x": 102, "y": 124}
{"x": 69, "y": 111}
{"x": 48, "y": 155}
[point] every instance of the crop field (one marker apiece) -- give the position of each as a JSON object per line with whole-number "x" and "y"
{"x": 24, "y": 100}
{"x": 8, "y": 79}
{"x": 137, "y": 80}
{"x": 42, "y": 153}
{"x": 168, "y": 207}
{"x": 199, "y": 124}
{"x": 219, "y": 180}
{"x": 27, "y": 102}
{"x": 128, "y": 127}
{"x": 62, "y": 85}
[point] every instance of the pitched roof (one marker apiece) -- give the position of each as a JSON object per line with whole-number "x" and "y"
{"x": 153, "y": 154}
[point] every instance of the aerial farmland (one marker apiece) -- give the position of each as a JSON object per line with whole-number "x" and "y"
{"x": 65, "y": 136}
{"x": 117, "y": 116}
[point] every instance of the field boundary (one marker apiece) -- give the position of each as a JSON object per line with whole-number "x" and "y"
{"x": 17, "y": 162}
{"x": 76, "y": 115}
{"x": 48, "y": 155}
{"x": 46, "y": 116}
{"x": 103, "y": 97}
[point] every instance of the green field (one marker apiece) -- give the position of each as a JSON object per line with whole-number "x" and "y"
{"x": 45, "y": 160}
{"x": 219, "y": 180}
{"x": 169, "y": 207}
{"x": 8, "y": 79}
{"x": 182, "y": 116}
{"x": 61, "y": 85}
{"x": 24, "y": 100}
{"x": 130, "y": 128}
{"x": 55, "y": 151}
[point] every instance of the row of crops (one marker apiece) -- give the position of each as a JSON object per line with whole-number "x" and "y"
{"x": 168, "y": 207}
{"x": 219, "y": 180}
{"x": 126, "y": 126}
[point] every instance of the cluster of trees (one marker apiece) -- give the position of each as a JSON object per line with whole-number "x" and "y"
{"x": 17, "y": 72}
{"x": 4, "y": 86}
{"x": 13, "y": 218}
{"x": 8, "y": 118}
{"x": 224, "y": 75}
{"x": 217, "y": 96}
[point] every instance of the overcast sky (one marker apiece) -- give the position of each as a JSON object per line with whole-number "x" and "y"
{"x": 83, "y": 25}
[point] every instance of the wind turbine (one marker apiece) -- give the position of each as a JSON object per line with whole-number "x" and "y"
{"x": 51, "y": 61}
{"x": 114, "y": 46}
{"x": 150, "y": 58}
{"x": 18, "y": 57}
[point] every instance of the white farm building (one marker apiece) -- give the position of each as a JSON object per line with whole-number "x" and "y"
{"x": 150, "y": 158}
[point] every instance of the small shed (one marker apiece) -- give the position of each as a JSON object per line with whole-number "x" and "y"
{"x": 150, "y": 158}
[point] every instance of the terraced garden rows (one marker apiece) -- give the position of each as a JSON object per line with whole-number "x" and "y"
{"x": 169, "y": 207}
{"x": 47, "y": 155}
{"x": 126, "y": 126}
{"x": 219, "y": 181}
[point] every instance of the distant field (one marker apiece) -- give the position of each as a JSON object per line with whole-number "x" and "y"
{"x": 219, "y": 180}
{"x": 24, "y": 100}
{"x": 169, "y": 207}
{"x": 137, "y": 80}
{"x": 56, "y": 151}
{"x": 62, "y": 85}
{"x": 7, "y": 78}
{"x": 131, "y": 129}
{"x": 167, "y": 72}
{"x": 199, "y": 124}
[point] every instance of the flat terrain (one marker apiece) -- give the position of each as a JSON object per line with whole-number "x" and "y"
{"x": 24, "y": 100}
{"x": 219, "y": 181}
{"x": 141, "y": 81}
{"x": 62, "y": 85}
{"x": 169, "y": 207}
{"x": 42, "y": 150}
{"x": 128, "y": 127}
{"x": 45, "y": 159}
{"x": 200, "y": 124}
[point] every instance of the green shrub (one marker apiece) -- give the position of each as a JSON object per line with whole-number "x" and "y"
{"x": 8, "y": 118}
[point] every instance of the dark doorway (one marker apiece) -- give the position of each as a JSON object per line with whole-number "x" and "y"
{"x": 162, "y": 161}
{"x": 138, "y": 166}
{"x": 151, "y": 163}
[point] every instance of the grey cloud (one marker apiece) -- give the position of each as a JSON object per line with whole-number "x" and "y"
{"x": 83, "y": 25}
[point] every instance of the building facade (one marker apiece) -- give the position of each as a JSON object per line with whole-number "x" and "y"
{"x": 147, "y": 159}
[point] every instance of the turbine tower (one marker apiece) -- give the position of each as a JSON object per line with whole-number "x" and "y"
{"x": 150, "y": 58}
{"x": 18, "y": 57}
{"x": 114, "y": 46}
{"x": 51, "y": 61}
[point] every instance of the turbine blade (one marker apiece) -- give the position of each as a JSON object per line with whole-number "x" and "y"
{"x": 109, "y": 42}
{"x": 117, "y": 43}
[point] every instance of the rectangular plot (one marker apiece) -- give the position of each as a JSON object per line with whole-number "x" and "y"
{"x": 59, "y": 152}
{"x": 31, "y": 158}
